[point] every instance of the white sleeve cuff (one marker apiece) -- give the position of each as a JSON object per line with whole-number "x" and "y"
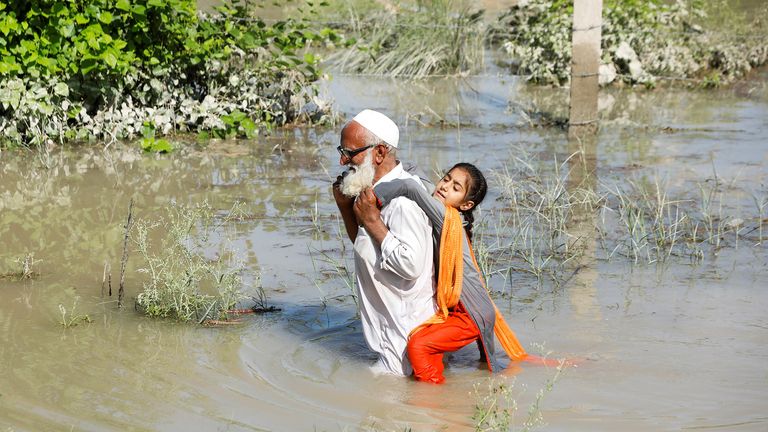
{"x": 388, "y": 246}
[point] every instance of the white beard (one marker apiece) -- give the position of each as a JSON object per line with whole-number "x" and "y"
{"x": 359, "y": 177}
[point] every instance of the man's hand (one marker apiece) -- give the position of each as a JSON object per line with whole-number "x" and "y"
{"x": 365, "y": 208}
{"x": 369, "y": 215}
{"x": 342, "y": 200}
{"x": 345, "y": 205}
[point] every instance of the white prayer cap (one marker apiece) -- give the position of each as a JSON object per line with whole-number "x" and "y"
{"x": 380, "y": 125}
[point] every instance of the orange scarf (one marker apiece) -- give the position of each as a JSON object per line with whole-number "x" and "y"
{"x": 504, "y": 334}
{"x": 450, "y": 279}
{"x": 451, "y": 273}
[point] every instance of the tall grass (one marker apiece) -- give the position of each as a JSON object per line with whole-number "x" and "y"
{"x": 332, "y": 263}
{"x": 540, "y": 206}
{"x": 423, "y": 38}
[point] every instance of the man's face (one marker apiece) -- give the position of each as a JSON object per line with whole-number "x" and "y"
{"x": 352, "y": 146}
{"x": 359, "y": 176}
{"x": 359, "y": 158}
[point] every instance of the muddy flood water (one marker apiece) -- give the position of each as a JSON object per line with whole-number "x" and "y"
{"x": 676, "y": 345}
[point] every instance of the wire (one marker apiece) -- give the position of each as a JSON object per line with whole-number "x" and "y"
{"x": 583, "y": 123}
{"x": 592, "y": 27}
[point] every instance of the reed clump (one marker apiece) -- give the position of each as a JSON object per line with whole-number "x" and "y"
{"x": 413, "y": 40}
{"x": 182, "y": 282}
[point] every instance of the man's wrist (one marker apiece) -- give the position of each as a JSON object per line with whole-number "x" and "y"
{"x": 376, "y": 229}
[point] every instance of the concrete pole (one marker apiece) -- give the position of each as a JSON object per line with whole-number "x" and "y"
{"x": 585, "y": 54}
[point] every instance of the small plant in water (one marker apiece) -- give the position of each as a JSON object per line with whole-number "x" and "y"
{"x": 183, "y": 283}
{"x": 71, "y": 318}
{"x": 495, "y": 407}
{"x": 26, "y": 271}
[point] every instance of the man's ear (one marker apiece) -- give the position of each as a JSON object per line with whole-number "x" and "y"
{"x": 466, "y": 205}
{"x": 380, "y": 153}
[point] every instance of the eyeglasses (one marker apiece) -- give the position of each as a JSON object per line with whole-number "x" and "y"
{"x": 349, "y": 154}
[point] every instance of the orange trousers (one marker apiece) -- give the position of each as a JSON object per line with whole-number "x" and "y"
{"x": 426, "y": 347}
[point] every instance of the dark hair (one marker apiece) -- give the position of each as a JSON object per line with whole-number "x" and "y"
{"x": 475, "y": 192}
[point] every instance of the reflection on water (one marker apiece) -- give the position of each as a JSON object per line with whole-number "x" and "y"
{"x": 671, "y": 347}
{"x": 582, "y": 290}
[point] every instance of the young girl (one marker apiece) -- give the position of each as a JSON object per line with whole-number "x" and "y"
{"x": 466, "y": 312}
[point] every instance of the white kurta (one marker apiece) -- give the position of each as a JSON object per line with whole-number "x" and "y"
{"x": 395, "y": 285}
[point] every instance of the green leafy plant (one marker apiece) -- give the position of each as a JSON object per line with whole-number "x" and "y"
{"x": 151, "y": 144}
{"x": 237, "y": 123}
{"x": 102, "y": 68}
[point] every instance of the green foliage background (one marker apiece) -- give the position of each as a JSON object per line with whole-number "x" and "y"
{"x": 691, "y": 41}
{"x": 94, "y": 54}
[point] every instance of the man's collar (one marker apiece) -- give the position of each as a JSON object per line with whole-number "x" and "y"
{"x": 392, "y": 174}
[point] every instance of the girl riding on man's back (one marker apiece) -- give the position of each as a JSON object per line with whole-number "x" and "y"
{"x": 466, "y": 313}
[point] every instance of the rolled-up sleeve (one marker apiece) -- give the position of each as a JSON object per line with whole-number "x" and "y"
{"x": 404, "y": 249}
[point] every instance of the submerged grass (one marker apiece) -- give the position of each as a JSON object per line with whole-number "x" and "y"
{"x": 496, "y": 405}
{"x": 332, "y": 264}
{"x": 182, "y": 282}
{"x": 550, "y": 217}
{"x": 537, "y": 218}
{"x": 70, "y": 318}
{"x": 26, "y": 269}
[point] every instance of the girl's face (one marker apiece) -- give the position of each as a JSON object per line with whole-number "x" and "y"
{"x": 452, "y": 189}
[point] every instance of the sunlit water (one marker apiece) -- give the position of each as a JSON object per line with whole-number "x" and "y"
{"x": 678, "y": 346}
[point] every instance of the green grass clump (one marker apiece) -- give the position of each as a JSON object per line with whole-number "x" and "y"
{"x": 427, "y": 38}
{"x": 182, "y": 283}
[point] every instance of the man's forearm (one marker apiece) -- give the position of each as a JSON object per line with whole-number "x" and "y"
{"x": 377, "y": 230}
{"x": 350, "y": 221}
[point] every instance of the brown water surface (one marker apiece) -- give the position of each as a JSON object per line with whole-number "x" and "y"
{"x": 676, "y": 346}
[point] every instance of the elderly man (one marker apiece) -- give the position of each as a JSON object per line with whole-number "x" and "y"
{"x": 393, "y": 247}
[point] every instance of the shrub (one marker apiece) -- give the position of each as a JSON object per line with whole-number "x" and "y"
{"x": 103, "y": 68}
{"x": 642, "y": 41}
{"x": 182, "y": 283}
